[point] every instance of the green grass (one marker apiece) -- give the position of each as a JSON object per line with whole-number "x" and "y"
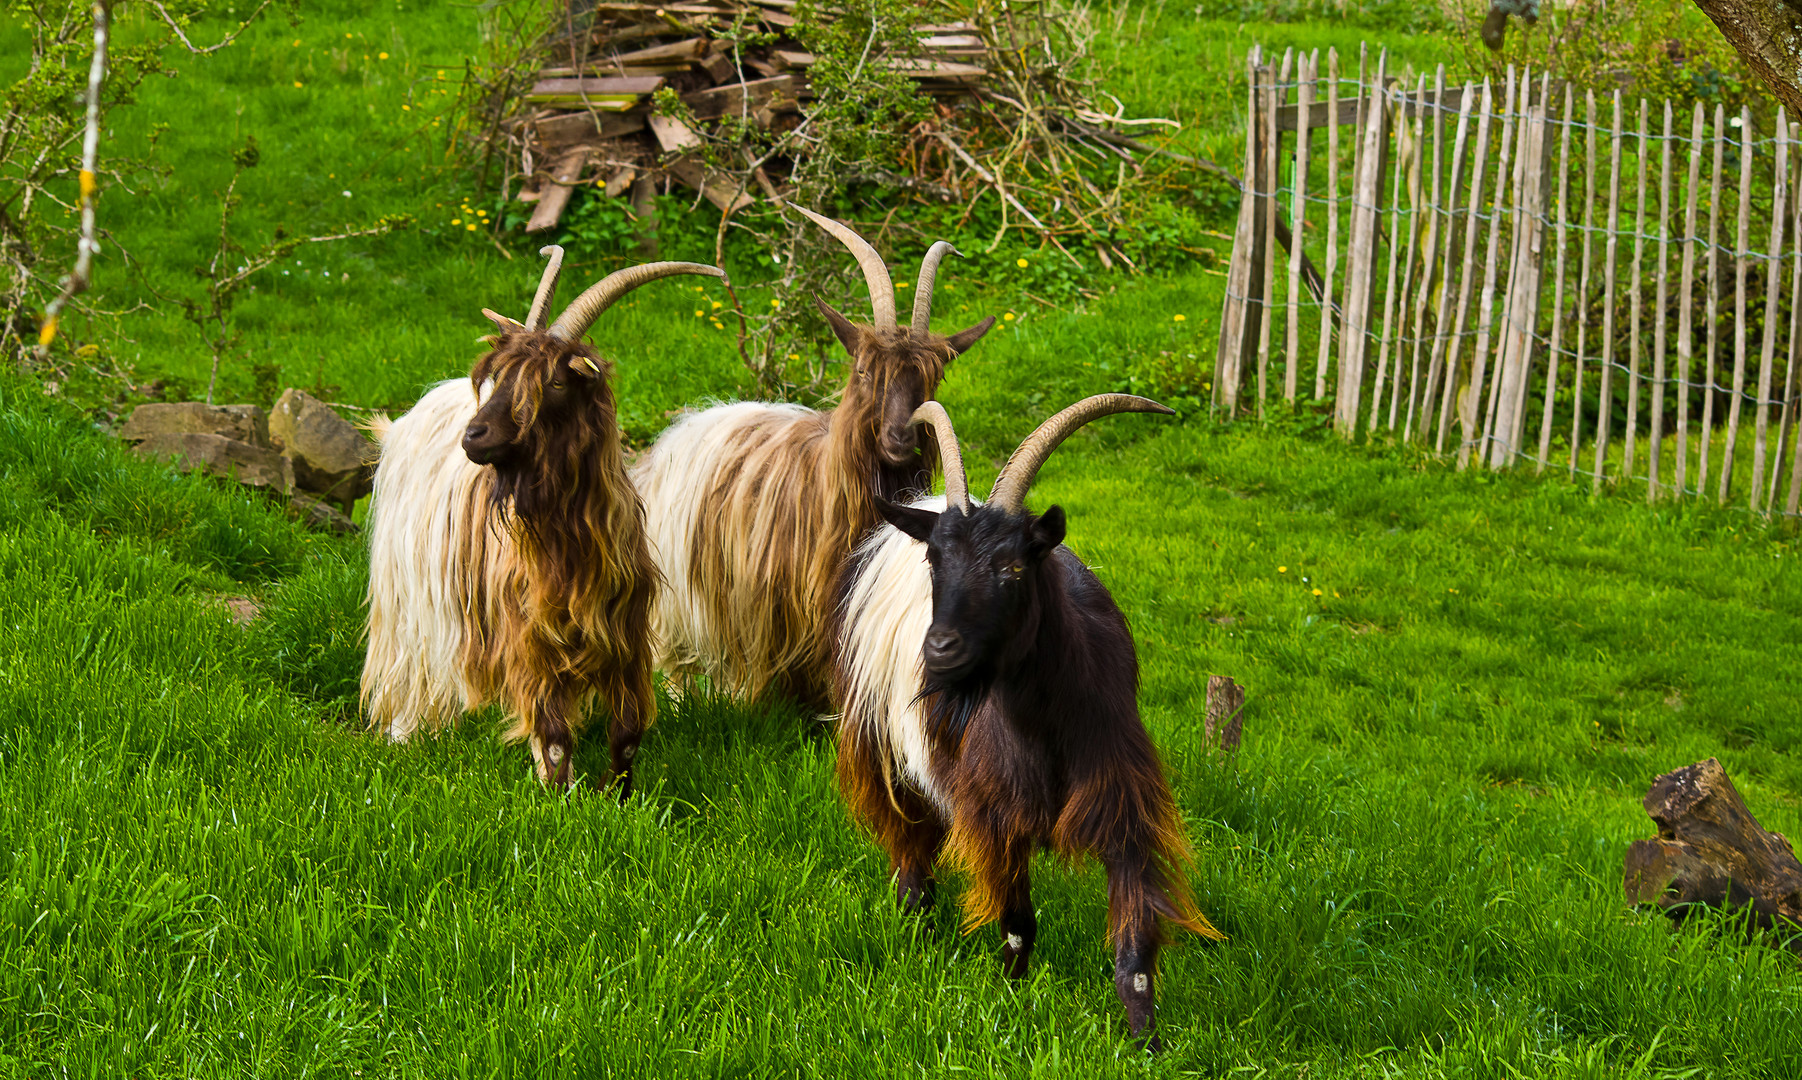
{"x": 208, "y": 869}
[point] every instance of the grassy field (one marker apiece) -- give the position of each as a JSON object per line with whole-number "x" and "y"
{"x": 1459, "y": 688}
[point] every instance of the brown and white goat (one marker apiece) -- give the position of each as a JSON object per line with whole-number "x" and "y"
{"x": 507, "y": 547}
{"x": 989, "y": 690}
{"x": 753, "y": 507}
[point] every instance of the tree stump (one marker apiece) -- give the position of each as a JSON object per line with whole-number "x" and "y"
{"x": 1226, "y": 700}
{"x": 1711, "y": 851}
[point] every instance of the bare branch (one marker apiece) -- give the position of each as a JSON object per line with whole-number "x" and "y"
{"x": 79, "y": 278}
{"x": 197, "y": 50}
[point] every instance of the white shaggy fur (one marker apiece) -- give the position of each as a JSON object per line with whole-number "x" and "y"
{"x": 675, "y": 478}
{"x": 429, "y": 545}
{"x": 886, "y": 614}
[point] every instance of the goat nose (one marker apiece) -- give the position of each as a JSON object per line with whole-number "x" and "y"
{"x": 475, "y": 432}
{"x": 943, "y": 642}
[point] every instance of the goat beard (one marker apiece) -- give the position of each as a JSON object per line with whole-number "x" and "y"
{"x": 950, "y": 707}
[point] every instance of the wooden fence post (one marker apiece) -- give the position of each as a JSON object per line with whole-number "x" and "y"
{"x": 1360, "y": 264}
{"x": 1551, "y": 372}
{"x": 1686, "y": 292}
{"x": 1470, "y": 402}
{"x": 1245, "y": 297}
{"x": 1298, "y": 215}
{"x": 1523, "y": 298}
{"x": 1655, "y": 446}
{"x": 1773, "y": 281}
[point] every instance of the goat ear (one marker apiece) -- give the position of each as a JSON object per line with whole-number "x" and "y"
{"x": 504, "y": 324}
{"x": 847, "y": 334}
{"x": 911, "y": 520}
{"x": 963, "y": 339}
{"x": 1047, "y": 533}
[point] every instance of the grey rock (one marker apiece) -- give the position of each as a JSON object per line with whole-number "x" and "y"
{"x": 331, "y": 457}
{"x": 255, "y": 466}
{"x": 315, "y": 514}
{"x": 245, "y": 423}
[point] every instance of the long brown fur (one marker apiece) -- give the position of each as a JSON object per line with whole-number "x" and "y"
{"x": 568, "y": 614}
{"x": 793, "y": 502}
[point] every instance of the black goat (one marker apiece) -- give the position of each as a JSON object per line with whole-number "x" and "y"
{"x": 1015, "y": 726}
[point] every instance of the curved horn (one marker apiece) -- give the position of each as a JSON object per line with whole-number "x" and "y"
{"x": 1009, "y": 492}
{"x": 585, "y": 309}
{"x": 951, "y": 458}
{"x": 547, "y": 286}
{"x": 929, "y": 273}
{"x": 875, "y": 273}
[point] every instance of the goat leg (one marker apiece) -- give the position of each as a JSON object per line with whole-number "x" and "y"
{"x": 553, "y": 744}
{"x": 1019, "y": 926}
{"x": 630, "y": 709}
{"x": 1135, "y": 970}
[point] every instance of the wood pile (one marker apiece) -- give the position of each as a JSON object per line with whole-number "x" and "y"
{"x": 587, "y": 117}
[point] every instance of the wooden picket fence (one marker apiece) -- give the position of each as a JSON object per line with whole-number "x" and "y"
{"x": 1410, "y": 285}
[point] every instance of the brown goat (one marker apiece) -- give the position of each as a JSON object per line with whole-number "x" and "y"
{"x": 753, "y": 507}
{"x": 507, "y": 547}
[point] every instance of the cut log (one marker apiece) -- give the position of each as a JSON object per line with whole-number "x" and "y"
{"x": 620, "y": 181}
{"x": 691, "y": 49}
{"x": 792, "y": 58}
{"x": 596, "y": 87}
{"x": 716, "y": 189}
{"x": 672, "y": 134}
{"x": 718, "y": 66}
{"x": 567, "y": 128}
{"x": 554, "y": 196}
{"x": 715, "y": 103}
{"x": 1712, "y": 852}
{"x": 1226, "y": 703}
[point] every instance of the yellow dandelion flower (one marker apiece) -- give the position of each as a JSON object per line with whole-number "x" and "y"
{"x": 717, "y": 325}
{"x": 900, "y": 284}
{"x": 698, "y": 313}
{"x": 471, "y": 227}
{"x": 699, "y": 288}
{"x": 381, "y": 56}
{"x": 775, "y": 303}
{"x": 456, "y": 221}
{"x": 1316, "y": 592}
{"x": 347, "y": 37}
{"x": 794, "y": 356}
{"x": 297, "y": 84}
{"x": 1282, "y": 569}
{"x": 717, "y": 305}
{"x": 1009, "y": 317}
{"x": 1179, "y": 318}
{"x": 297, "y": 43}
{"x": 1021, "y": 263}
{"x": 481, "y": 213}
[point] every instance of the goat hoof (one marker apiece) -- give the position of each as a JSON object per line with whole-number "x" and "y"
{"x": 1151, "y": 1044}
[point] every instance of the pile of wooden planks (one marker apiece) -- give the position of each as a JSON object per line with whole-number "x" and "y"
{"x": 588, "y": 116}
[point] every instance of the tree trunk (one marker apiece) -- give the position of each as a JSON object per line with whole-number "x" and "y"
{"x": 1763, "y": 32}
{"x": 1710, "y": 850}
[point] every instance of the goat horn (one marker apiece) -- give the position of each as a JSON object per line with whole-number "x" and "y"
{"x": 1009, "y": 492}
{"x": 957, "y": 487}
{"x": 929, "y": 273}
{"x": 875, "y": 273}
{"x": 585, "y": 309}
{"x": 547, "y": 286}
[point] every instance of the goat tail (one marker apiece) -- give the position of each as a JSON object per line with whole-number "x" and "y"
{"x": 376, "y": 426}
